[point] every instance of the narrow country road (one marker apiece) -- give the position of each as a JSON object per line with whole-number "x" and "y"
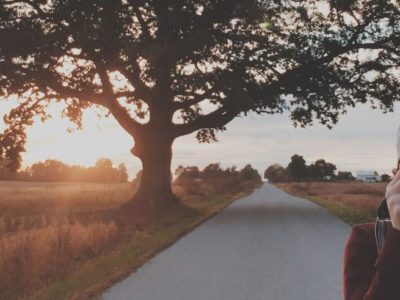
{"x": 266, "y": 246}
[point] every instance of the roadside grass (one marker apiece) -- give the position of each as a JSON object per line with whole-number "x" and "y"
{"x": 70, "y": 241}
{"x": 349, "y": 214}
{"x": 353, "y": 202}
{"x": 90, "y": 279}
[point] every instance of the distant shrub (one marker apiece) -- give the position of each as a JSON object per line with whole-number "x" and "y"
{"x": 277, "y": 173}
{"x": 214, "y": 179}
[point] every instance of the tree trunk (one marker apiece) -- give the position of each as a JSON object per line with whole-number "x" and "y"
{"x": 154, "y": 189}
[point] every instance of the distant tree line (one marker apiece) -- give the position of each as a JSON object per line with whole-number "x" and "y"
{"x": 298, "y": 170}
{"x": 214, "y": 172}
{"x": 216, "y": 178}
{"x": 54, "y": 170}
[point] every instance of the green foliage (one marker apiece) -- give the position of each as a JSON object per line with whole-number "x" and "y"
{"x": 321, "y": 169}
{"x": 248, "y": 173}
{"x": 345, "y": 176}
{"x": 297, "y": 167}
{"x": 277, "y": 173}
{"x": 5, "y": 172}
{"x": 104, "y": 163}
{"x": 122, "y": 173}
{"x": 191, "y": 172}
{"x": 218, "y": 179}
{"x": 298, "y": 170}
{"x": 386, "y": 178}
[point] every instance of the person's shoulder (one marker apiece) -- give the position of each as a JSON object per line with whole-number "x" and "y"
{"x": 366, "y": 228}
{"x": 362, "y": 234}
{"x": 361, "y": 244}
{"x": 363, "y": 231}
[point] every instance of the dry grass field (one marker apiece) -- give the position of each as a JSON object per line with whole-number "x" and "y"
{"x": 47, "y": 227}
{"x": 354, "y": 201}
{"x": 26, "y": 205}
{"x": 70, "y": 240}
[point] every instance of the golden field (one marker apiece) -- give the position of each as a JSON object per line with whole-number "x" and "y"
{"x": 70, "y": 240}
{"x": 47, "y": 227}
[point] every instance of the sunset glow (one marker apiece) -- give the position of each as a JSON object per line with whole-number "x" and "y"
{"x": 353, "y": 144}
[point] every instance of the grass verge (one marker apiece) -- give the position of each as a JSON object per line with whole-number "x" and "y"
{"x": 89, "y": 279}
{"x": 353, "y": 202}
{"x": 350, "y": 215}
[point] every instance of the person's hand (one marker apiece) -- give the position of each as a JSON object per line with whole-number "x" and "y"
{"x": 393, "y": 199}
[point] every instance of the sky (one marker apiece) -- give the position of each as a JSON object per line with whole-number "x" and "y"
{"x": 363, "y": 139}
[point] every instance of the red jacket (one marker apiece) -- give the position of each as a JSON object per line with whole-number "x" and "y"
{"x": 367, "y": 275}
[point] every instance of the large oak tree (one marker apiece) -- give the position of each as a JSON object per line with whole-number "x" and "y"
{"x": 164, "y": 68}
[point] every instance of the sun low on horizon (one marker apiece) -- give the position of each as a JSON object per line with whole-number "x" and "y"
{"x": 353, "y": 144}
{"x": 58, "y": 138}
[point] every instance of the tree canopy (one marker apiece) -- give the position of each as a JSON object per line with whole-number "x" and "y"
{"x": 165, "y": 68}
{"x": 297, "y": 167}
{"x": 298, "y": 170}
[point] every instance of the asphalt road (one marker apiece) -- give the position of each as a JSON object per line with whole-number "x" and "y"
{"x": 268, "y": 246}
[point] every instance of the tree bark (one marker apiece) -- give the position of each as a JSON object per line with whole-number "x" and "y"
{"x": 154, "y": 190}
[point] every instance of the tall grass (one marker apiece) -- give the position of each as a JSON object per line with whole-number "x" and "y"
{"x": 46, "y": 228}
{"x": 35, "y": 205}
{"x": 29, "y": 257}
{"x": 50, "y": 231}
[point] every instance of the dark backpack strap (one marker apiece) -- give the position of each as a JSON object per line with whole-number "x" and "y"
{"x": 381, "y": 225}
{"x": 383, "y": 211}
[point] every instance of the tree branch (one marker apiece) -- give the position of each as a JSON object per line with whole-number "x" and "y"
{"x": 195, "y": 99}
{"x": 143, "y": 24}
{"x": 119, "y": 112}
{"x": 109, "y": 99}
{"x": 141, "y": 90}
{"x": 217, "y": 118}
